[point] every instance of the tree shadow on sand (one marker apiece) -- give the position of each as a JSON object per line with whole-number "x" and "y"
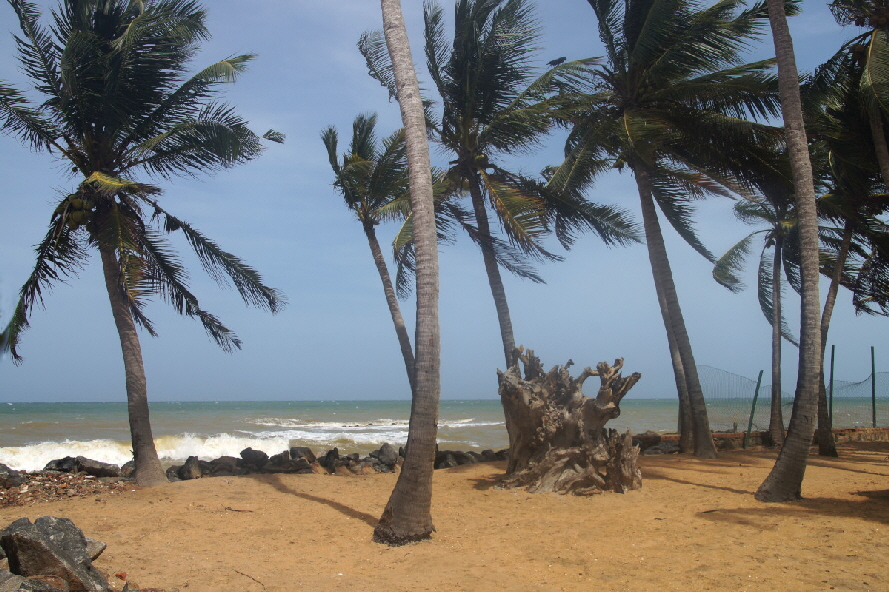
{"x": 275, "y": 481}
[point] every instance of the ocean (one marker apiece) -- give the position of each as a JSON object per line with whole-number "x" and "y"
{"x": 32, "y": 434}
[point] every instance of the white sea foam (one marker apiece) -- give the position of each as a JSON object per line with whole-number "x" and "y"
{"x": 178, "y": 448}
{"x": 35, "y": 457}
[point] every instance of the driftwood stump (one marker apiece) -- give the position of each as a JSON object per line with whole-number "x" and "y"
{"x": 557, "y": 436}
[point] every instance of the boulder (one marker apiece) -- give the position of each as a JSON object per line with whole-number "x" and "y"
{"x": 10, "y": 478}
{"x": 282, "y": 459}
{"x": 51, "y": 546}
{"x": 327, "y": 461}
{"x": 297, "y": 452}
{"x": 225, "y": 466}
{"x": 256, "y": 458}
{"x": 488, "y": 456}
{"x": 190, "y": 470}
{"x": 445, "y": 460}
{"x": 387, "y": 455}
{"x": 62, "y": 465}
{"x": 127, "y": 469}
{"x": 9, "y": 582}
{"x": 172, "y": 473}
{"x": 94, "y": 548}
{"x": 96, "y": 468}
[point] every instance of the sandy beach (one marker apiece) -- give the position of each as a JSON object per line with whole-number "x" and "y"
{"x": 693, "y": 526}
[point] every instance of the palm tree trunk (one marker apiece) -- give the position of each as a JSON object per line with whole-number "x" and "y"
{"x": 148, "y": 467}
{"x": 784, "y": 482}
{"x": 686, "y": 423}
{"x": 776, "y": 416}
{"x": 663, "y": 282}
{"x": 826, "y": 445}
{"x": 404, "y": 339}
{"x": 881, "y": 150}
{"x": 495, "y": 281}
{"x": 407, "y": 516}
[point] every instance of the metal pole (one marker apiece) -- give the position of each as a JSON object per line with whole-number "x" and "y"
{"x": 752, "y": 411}
{"x": 873, "y": 387}
{"x": 833, "y": 351}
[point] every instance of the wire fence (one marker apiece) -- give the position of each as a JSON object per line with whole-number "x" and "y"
{"x": 730, "y": 397}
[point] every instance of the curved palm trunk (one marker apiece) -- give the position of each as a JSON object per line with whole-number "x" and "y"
{"x": 404, "y": 339}
{"x": 776, "y": 415}
{"x": 148, "y": 467}
{"x": 784, "y": 482}
{"x": 826, "y": 445}
{"x": 663, "y": 281}
{"x": 493, "y": 272}
{"x": 407, "y": 516}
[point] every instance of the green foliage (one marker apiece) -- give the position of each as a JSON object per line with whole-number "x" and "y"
{"x": 116, "y": 100}
{"x": 674, "y": 98}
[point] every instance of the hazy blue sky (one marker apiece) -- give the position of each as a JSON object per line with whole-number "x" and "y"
{"x": 281, "y": 214}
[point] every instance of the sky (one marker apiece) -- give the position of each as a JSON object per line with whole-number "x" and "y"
{"x": 281, "y": 214}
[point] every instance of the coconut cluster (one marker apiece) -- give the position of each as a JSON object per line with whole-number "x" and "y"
{"x": 76, "y": 210}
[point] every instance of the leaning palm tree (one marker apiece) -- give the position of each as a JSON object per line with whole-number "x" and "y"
{"x": 407, "y": 516}
{"x": 373, "y": 181}
{"x": 784, "y": 482}
{"x": 492, "y": 105}
{"x": 672, "y": 104}
{"x": 116, "y": 103}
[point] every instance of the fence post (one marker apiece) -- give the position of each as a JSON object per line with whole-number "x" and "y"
{"x": 833, "y": 351}
{"x": 873, "y": 387}
{"x": 752, "y": 411}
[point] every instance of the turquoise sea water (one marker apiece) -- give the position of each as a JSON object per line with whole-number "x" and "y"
{"x": 32, "y": 434}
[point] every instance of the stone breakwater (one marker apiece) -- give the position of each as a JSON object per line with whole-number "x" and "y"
{"x": 79, "y": 476}
{"x": 302, "y": 460}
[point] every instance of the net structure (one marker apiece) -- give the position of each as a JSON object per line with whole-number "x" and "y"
{"x": 730, "y": 399}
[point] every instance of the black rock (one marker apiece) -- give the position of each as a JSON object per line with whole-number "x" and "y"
{"x": 297, "y": 452}
{"x": 190, "y": 470}
{"x": 172, "y": 473}
{"x": 257, "y": 458}
{"x": 9, "y": 582}
{"x": 10, "y": 478}
{"x": 281, "y": 459}
{"x": 62, "y": 465}
{"x": 387, "y": 455}
{"x": 96, "y": 468}
{"x": 51, "y": 546}
{"x": 327, "y": 461}
{"x": 488, "y": 456}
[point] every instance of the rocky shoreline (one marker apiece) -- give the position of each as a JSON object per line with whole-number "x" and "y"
{"x": 79, "y": 477}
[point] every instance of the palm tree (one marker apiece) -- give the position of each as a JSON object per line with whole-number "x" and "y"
{"x": 870, "y": 52}
{"x": 407, "y": 516}
{"x": 670, "y": 103}
{"x": 784, "y": 482}
{"x": 491, "y": 107}
{"x": 839, "y": 118}
{"x": 116, "y": 102}
{"x": 775, "y": 210}
{"x": 374, "y": 183}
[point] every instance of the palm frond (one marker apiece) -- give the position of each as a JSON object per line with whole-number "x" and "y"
{"x": 767, "y": 298}
{"x": 165, "y": 276}
{"x": 223, "y": 266}
{"x": 60, "y": 255}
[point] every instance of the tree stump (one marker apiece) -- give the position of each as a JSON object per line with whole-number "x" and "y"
{"x": 557, "y": 436}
